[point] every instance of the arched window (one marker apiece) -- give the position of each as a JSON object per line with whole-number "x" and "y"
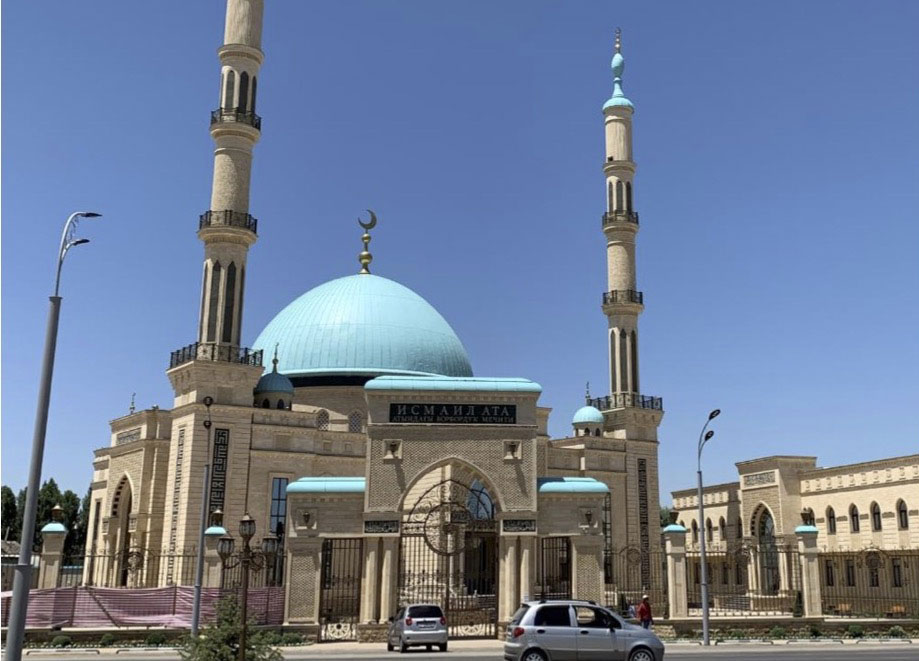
{"x": 322, "y": 420}
{"x": 243, "y": 104}
{"x": 875, "y": 517}
{"x": 619, "y": 196}
{"x": 266, "y": 404}
{"x": 634, "y": 338}
{"x": 623, "y": 362}
{"x": 281, "y": 404}
{"x": 212, "y": 304}
{"x": 355, "y": 422}
{"x": 854, "y": 525}
{"x": 709, "y": 534}
{"x": 254, "y": 89}
{"x": 739, "y": 532}
{"x": 229, "y": 303}
{"x": 628, "y": 196}
{"x": 695, "y": 532}
{"x": 830, "y": 521}
{"x": 597, "y": 431}
{"x": 610, "y": 200}
{"x": 229, "y": 90}
{"x": 902, "y": 515}
{"x": 722, "y": 529}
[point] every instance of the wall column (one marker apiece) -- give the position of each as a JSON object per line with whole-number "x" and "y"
{"x": 675, "y": 547}
{"x": 388, "y": 579}
{"x": 52, "y": 551}
{"x": 527, "y": 567}
{"x": 509, "y": 574}
{"x": 370, "y": 580}
{"x": 303, "y": 580}
{"x": 587, "y": 568}
{"x": 810, "y": 571}
{"x": 213, "y": 565}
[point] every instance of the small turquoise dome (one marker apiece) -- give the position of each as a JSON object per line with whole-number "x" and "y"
{"x": 274, "y": 382}
{"x": 363, "y": 325}
{"x": 53, "y": 527}
{"x": 587, "y": 415}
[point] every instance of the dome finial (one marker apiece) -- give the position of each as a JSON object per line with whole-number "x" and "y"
{"x": 587, "y": 392}
{"x": 274, "y": 361}
{"x": 131, "y": 409}
{"x": 618, "y": 65}
{"x": 618, "y": 40}
{"x": 365, "y": 257}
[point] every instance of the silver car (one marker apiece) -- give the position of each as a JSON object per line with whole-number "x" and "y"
{"x": 417, "y": 624}
{"x": 567, "y": 630}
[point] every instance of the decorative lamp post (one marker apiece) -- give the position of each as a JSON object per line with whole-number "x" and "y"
{"x": 246, "y": 558}
{"x": 704, "y": 437}
{"x": 205, "y": 496}
{"x": 22, "y": 578}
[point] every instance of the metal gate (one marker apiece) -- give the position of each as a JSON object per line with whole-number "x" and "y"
{"x": 449, "y": 556}
{"x": 553, "y": 568}
{"x": 340, "y": 588}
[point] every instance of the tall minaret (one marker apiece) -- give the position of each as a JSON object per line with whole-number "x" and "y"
{"x": 621, "y": 302}
{"x": 228, "y": 229}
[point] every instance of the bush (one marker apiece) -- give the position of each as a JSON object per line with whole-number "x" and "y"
{"x": 291, "y": 638}
{"x": 61, "y": 641}
{"x": 736, "y": 634}
{"x": 155, "y": 639}
{"x": 220, "y": 641}
{"x": 814, "y": 631}
{"x": 855, "y": 631}
{"x": 107, "y": 640}
{"x": 270, "y": 637}
{"x": 896, "y": 632}
{"x": 777, "y": 632}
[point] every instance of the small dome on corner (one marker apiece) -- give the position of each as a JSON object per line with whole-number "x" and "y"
{"x": 587, "y": 415}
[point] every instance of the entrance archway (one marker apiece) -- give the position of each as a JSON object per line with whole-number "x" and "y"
{"x": 449, "y": 550}
{"x": 763, "y": 528}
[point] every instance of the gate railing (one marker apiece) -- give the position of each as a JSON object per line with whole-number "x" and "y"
{"x": 630, "y": 574}
{"x": 553, "y": 568}
{"x": 870, "y": 584}
{"x": 340, "y": 588}
{"x": 134, "y": 568}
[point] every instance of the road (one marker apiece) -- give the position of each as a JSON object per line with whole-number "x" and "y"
{"x": 491, "y": 650}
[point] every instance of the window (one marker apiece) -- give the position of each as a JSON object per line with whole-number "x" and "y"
{"x": 896, "y": 573}
{"x": 425, "y": 611}
{"x": 355, "y": 422}
{"x": 875, "y": 517}
{"x": 243, "y": 103}
{"x": 854, "y": 525}
{"x": 609, "y": 194}
{"x": 628, "y": 195}
{"x": 738, "y": 574}
{"x": 724, "y": 573}
{"x": 230, "y": 91}
{"x": 739, "y": 529}
{"x": 873, "y": 578}
{"x": 254, "y": 89}
{"x": 850, "y": 572}
{"x": 634, "y": 362}
{"x": 229, "y": 301}
{"x": 516, "y": 617}
{"x": 709, "y": 535}
{"x": 619, "y": 196}
{"x": 592, "y": 618}
{"x": 695, "y": 532}
{"x": 831, "y": 520}
{"x": 829, "y": 576}
{"x": 278, "y": 505}
{"x": 902, "y": 515}
{"x": 212, "y": 303}
{"x": 322, "y": 420}
{"x": 266, "y": 404}
{"x": 281, "y": 404}
{"x": 722, "y": 529}
{"x": 552, "y": 616}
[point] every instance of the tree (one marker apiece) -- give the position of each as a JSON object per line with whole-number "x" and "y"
{"x": 665, "y": 516}
{"x": 219, "y": 641}
{"x": 70, "y": 504}
{"x": 8, "y": 513}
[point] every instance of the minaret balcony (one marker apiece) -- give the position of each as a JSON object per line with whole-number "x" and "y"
{"x": 620, "y": 216}
{"x": 623, "y": 296}
{"x": 228, "y": 218}
{"x": 217, "y": 353}
{"x": 627, "y": 400}
{"x": 223, "y": 115}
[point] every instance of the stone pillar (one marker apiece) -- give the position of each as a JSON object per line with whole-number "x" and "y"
{"x": 213, "y": 565}
{"x": 52, "y": 551}
{"x": 810, "y": 570}
{"x": 370, "y": 581}
{"x": 388, "y": 579}
{"x": 303, "y": 580}
{"x": 677, "y": 586}
{"x": 509, "y": 572}
{"x": 587, "y": 568}
{"x": 527, "y": 567}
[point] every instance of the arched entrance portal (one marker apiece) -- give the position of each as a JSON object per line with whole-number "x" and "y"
{"x": 764, "y": 531}
{"x": 449, "y": 550}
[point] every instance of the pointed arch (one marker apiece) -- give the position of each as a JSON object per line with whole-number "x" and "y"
{"x": 695, "y": 532}
{"x": 229, "y": 90}
{"x": 628, "y": 196}
{"x": 830, "y": 521}
{"x": 229, "y": 304}
{"x": 610, "y": 198}
{"x": 472, "y": 472}
{"x": 876, "y": 523}
{"x": 854, "y": 524}
{"x": 619, "y": 196}
{"x": 902, "y": 515}
{"x": 213, "y": 303}
{"x": 722, "y": 529}
{"x": 254, "y": 90}
{"x": 243, "y": 104}
{"x": 709, "y": 531}
{"x": 634, "y": 347}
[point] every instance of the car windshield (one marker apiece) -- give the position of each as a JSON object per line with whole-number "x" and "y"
{"x": 516, "y": 617}
{"x": 425, "y": 611}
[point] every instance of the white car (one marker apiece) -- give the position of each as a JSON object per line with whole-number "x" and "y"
{"x": 415, "y": 625}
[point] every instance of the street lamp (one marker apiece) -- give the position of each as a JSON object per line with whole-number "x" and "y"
{"x": 704, "y": 437}
{"x": 21, "y": 580}
{"x": 246, "y": 558}
{"x": 205, "y": 495}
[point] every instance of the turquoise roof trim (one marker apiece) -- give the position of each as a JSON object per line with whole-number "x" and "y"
{"x": 215, "y": 531}
{"x": 587, "y": 415}
{"x": 674, "y": 527}
{"x": 457, "y": 383}
{"x": 806, "y": 530}
{"x": 363, "y": 325}
{"x": 54, "y": 526}
{"x": 328, "y": 485}
{"x": 570, "y": 485}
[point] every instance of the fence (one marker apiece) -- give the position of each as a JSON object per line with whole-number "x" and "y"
{"x": 870, "y": 583}
{"x": 135, "y": 568}
{"x": 8, "y": 571}
{"x": 630, "y": 574}
{"x": 124, "y": 607}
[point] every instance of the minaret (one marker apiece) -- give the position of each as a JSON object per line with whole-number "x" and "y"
{"x": 228, "y": 229}
{"x": 622, "y": 303}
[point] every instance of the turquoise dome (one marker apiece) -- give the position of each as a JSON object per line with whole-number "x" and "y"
{"x": 363, "y": 325}
{"x": 587, "y": 415}
{"x": 274, "y": 382}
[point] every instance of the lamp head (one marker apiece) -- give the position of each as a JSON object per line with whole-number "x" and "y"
{"x": 89, "y": 214}
{"x": 270, "y": 545}
{"x": 78, "y": 242}
{"x": 709, "y": 434}
{"x": 217, "y": 517}
{"x": 247, "y": 527}
{"x": 208, "y": 401}
{"x": 225, "y": 547}
{"x": 714, "y": 414}
{"x": 57, "y": 514}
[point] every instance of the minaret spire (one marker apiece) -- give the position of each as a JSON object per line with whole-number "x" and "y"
{"x": 365, "y": 257}
{"x": 227, "y": 228}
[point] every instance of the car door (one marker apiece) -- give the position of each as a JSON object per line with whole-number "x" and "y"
{"x": 395, "y": 627}
{"x": 595, "y": 637}
{"x": 555, "y": 632}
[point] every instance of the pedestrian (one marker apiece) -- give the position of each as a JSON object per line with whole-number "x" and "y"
{"x": 644, "y": 613}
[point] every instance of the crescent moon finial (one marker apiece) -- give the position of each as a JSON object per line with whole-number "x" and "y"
{"x": 365, "y": 257}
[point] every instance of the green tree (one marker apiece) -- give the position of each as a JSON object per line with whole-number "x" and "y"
{"x": 8, "y": 513}
{"x": 665, "y": 516}
{"x": 20, "y": 509}
{"x": 70, "y": 504}
{"x": 219, "y": 641}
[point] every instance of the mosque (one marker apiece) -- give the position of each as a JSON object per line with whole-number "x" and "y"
{"x": 356, "y": 433}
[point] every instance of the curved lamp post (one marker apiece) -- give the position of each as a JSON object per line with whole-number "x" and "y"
{"x": 21, "y": 580}
{"x": 205, "y": 496}
{"x": 247, "y": 558}
{"x": 704, "y": 437}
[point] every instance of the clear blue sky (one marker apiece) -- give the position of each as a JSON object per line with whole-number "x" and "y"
{"x": 777, "y": 184}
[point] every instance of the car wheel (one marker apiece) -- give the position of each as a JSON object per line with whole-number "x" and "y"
{"x": 641, "y": 654}
{"x": 443, "y": 647}
{"x": 389, "y": 647}
{"x": 533, "y": 655}
{"x": 403, "y": 648}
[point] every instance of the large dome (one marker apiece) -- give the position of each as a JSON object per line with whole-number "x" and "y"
{"x": 363, "y": 325}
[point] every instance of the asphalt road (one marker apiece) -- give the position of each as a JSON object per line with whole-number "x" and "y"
{"x": 492, "y": 652}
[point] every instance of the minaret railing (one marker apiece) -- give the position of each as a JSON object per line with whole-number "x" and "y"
{"x": 611, "y": 217}
{"x": 215, "y": 352}
{"x": 228, "y": 218}
{"x": 623, "y": 296}
{"x": 624, "y": 400}
{"x": 222, "y": 115}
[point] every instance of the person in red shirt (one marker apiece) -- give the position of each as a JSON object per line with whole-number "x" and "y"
{"x": 644, "y": 613}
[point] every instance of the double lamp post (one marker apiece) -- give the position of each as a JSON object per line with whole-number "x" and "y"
{"x": 704, "y": 437}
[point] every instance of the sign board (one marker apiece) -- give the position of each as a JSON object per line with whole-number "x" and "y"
{"x": 454, "y": 414}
